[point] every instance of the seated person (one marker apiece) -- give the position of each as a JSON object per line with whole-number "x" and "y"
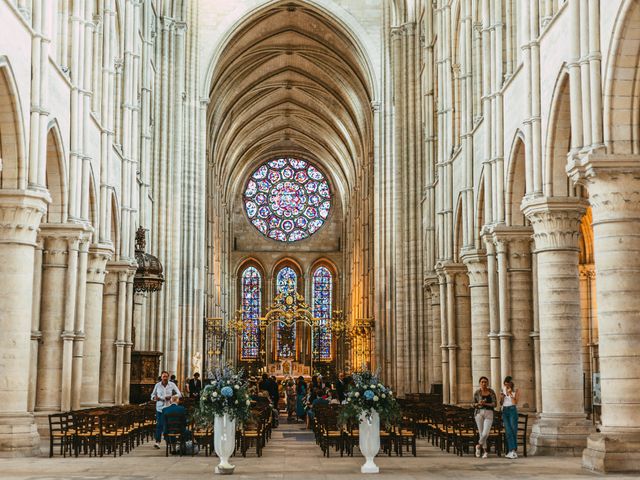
{"x": 318, "y": 400}
{"x": 175, "y": 410}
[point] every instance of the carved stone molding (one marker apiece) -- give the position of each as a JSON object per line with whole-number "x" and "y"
{"x": 476, "y": 263}
{"x": 20, "y": 215}
{"x": 555, "y": 221}
{"x": 96, "y": 266}
{"x": 613, "y": 182}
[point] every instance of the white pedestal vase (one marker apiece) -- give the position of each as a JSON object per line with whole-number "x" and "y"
{"x": 224, "y": 442}
{"x": 369, "y": 441}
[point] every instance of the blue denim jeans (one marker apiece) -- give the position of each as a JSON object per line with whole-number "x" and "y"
{"x": 510, "y": 422}
{"x": 159, "y": 426}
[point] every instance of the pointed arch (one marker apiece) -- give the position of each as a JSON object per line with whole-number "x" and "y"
{"x": 93, "y": 203}
{"x": 12, "y": 135}
{"x": 56, "y": 175}
{"x": 288, "y": 262}
{"x": 458, "y": 229}
{"x": 621, "y": 84}
{"x": 251, "y": 292}
{"x": 558, "y": 145}
{"x": 115, "y": 226}
{"x": 515, "y": 182}
{"x": 479, "y": 212}
{"x": 323, "y": 294}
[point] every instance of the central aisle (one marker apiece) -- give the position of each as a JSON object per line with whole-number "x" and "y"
{"x": 292, "y": 454}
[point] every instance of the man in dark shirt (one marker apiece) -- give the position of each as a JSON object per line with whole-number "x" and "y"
{"x": 176, "y": 412}
{"x": 195, "y": 386}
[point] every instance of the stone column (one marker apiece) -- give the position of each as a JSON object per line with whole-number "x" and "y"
{"x": 128, "y": 343}
{"x": 20, "y": 214}
{"x": 435, "y": 335}
{"x": 96, "y": 271}
{"x": 79, "y": 338}
{"x": 516, "y": 329}
{"x": 57, "y": 315}
{"x": 501, "y": 241}
{"x": 106, "y": 384}
{"x": 614, "y": 185}
{"x": 476, "y": 263}
{"x": 494, "y": 318}
{"x": 562, "y": 427}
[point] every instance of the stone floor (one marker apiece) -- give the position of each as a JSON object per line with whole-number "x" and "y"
{"x": 291, "y": 454}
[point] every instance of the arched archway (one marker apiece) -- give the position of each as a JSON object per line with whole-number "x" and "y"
{"x": 55, "y": 175}
{"x": 12, "y": 148}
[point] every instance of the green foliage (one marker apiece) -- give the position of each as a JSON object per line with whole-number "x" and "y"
{"x": 369, "y": 394}
{"x": 228, "y": 393}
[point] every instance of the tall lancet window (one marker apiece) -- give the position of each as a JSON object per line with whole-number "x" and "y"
{"x": 251, "y": 306}
{"x": 322, "y": 303}
{"x": 286, "y": 283}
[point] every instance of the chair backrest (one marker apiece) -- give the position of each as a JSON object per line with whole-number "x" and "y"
{"x": 175, "y": 422}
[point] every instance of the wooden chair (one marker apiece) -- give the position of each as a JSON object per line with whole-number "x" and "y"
{"x": 61, "y": 433}
{"x": 523, "y": 421}
{"x": 251, "y": 435}
{"x": 175, "y": 430}
{"x": 405, "y": 435}
{"x": 87, "y": 433}
{"x": 496, "y": 435}
{"x": 466, "y": 433}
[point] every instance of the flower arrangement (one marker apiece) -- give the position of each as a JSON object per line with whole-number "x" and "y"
{"x": 228, "y": 393}
{"x": 366, "y": 394}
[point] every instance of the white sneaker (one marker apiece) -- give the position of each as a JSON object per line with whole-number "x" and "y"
{"x": 156, "y": 445}
{"x": 478, "y": 451}
{"x": 510, "y": 455}
{"x": 485, "y": 455}
{"x": 514, "y": 454}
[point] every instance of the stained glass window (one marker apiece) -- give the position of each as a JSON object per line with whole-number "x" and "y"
{"x": 251, "y": 306}
{"x": 322, "y": 303}
{"x": 287, "y": 199}
{"x": 286, "y": 283}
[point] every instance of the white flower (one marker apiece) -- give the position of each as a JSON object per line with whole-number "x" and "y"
{"x": 236, "y": 402}
{"x": 375, "y": 398}
{"x": 372, "y": 386}
{"x": 357, "y": 394}
{"x": 214, "y": 394}
{"x": 383, "y": 396}
{"x": 248, "y": 402}
{"x": 237, "y": 387}
{"x": 390, "y": 392}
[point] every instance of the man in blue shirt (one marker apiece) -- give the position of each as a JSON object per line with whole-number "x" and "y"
{"x": 162, "y": 393}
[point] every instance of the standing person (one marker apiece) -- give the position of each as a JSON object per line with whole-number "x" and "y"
{"x": 194, "y": 386}
{"x": 509, "y": 400}
{"x": 301, "y": 392}
{"x": 340, "y": 387}
{"x": 290, "y": 392}
{"x": 162, "y": 393}
{"x": 484, "y": 401}
{"x": 276, "y": 392}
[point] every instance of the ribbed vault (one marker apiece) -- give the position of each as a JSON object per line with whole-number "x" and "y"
{"x": 290, "y": 81}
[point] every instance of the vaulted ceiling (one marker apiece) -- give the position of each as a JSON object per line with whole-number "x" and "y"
{"x": 290, "y": 81}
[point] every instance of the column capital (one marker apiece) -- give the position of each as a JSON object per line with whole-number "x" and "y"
{"x": 20, "y": 215}
{"x": 613, "y": 182}
{"x": 555, "y": 221}
{"x": 476, "y": 262}
{"x": 99, "y": 255}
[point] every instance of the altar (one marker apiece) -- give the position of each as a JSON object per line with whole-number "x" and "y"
{"x": 288, "y": 368}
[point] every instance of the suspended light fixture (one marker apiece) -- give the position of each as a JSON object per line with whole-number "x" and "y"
{"x": 148, "y": 276}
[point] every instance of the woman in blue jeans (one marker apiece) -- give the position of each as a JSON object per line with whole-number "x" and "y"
{"x": 509, "y": 400}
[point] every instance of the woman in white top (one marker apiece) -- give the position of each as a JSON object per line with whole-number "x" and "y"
{"x": 509, "y": 399}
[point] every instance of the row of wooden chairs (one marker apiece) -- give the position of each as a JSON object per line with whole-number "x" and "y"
{"x": 452, "y": 427}
{"x": 100, "y": 431}
{"x": 331, "y": 435}
{"x": 254, "y": 434}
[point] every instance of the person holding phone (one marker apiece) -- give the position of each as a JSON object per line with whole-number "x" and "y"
{"x": 509, "y": 400}
{"x": 484, "y": 402}
{"x": 162, "y": 393}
